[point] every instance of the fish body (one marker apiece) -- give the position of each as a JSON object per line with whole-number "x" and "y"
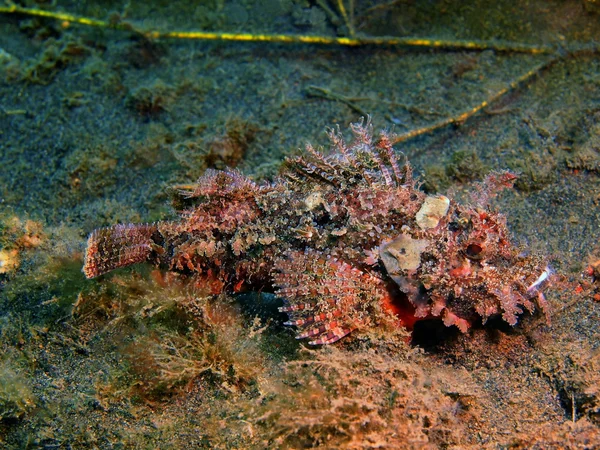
{"x": 346, "y": 239}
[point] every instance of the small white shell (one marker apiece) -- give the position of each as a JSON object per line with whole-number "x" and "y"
{"x": 432, "y": 210}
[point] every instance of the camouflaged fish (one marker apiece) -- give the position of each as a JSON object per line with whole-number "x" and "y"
{"x": 346, "y": 239}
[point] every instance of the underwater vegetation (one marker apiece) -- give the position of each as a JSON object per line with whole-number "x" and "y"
{"x": 426, "y": 285}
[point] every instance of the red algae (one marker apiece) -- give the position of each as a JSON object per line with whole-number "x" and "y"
{"x": 346, "y": 238}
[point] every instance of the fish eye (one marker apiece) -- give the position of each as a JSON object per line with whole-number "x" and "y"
{"x": 473, "y": 251}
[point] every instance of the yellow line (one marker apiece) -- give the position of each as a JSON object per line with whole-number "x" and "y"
{"x": 355, "y": 42}
{"x": 287, "y": 38}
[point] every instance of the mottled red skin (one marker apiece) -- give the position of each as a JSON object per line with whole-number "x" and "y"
{"x": 315, "y": 237}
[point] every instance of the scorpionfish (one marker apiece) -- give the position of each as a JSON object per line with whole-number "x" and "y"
{"x": 345, "y": 238}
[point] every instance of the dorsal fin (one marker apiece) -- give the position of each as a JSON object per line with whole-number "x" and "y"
{"x": 360, "y": 161}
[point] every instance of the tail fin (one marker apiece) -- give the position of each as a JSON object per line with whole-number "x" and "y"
{"x": 118, "y": 246}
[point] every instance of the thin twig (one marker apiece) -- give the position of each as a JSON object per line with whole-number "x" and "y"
{"x": 316, "y": 91}
{"x": 461, "y": 118}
